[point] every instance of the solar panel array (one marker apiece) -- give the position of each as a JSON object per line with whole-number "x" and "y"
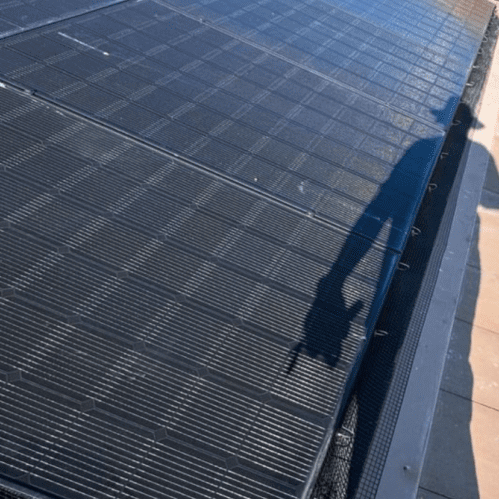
{"x": 202, "y": 205}
{"x": 315, "y": 134}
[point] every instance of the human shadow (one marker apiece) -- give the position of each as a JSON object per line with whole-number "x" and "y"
{"x": 327, "y": 323}
{"x": 323, "y": 335}
{"x": 376, "y": 375}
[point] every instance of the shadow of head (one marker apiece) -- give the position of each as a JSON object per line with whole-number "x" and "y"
{"x": 456, "y": 113}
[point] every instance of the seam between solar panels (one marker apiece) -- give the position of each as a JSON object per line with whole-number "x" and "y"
{"x": 355, "y": 172}
{"x": 52, "y": 21}
{"x": 194, "y": 164}
{"x": 368, "y": 178}
{"x": 204, "y": 167}
{"x": 122, "y": 134}
{"x": 256, "y": 105}
{"x": 131, "y": 223}
{"x": 304, "y": 67}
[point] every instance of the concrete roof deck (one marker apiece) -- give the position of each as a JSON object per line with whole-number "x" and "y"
{"x": 462, "y": 460}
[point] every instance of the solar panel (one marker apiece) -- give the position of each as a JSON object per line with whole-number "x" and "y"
{"x": 296, "y": 130}
{"x": 24, "y": 15}
{"x": 177, "y": 278}
{"x": 203, "y": 204}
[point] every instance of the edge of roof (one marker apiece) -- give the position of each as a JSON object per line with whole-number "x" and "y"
{"x": 406, "y": 456}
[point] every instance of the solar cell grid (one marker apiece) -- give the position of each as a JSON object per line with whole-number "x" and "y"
{"x": 225, "y": 135}
{"x": 28, "y": 439}
{"x": 23, "y": 15}
{"x": 220, "y": 201}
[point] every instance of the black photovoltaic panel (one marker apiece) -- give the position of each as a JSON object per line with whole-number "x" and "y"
{"x": 299, "y": 132}
{"x": 150, "y": 317}
{"x": 412, "y": 46}
{"x": 22, "y": 15}
{"x": 182, "y": 320}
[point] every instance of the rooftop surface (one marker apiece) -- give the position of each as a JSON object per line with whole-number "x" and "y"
{"x": 194, "y": 195}
{"x": 462, "y": 459}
